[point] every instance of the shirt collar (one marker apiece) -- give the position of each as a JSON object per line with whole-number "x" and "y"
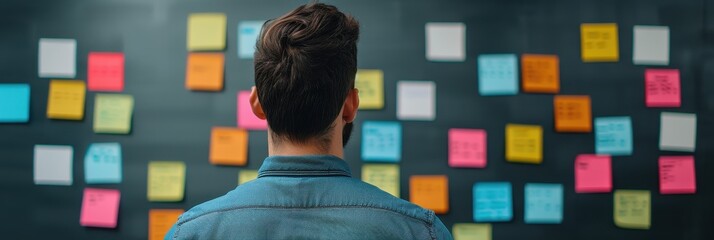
{"x": 305, "y": 165}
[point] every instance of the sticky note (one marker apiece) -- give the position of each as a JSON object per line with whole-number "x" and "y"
{"x": 248, "y": 33}
{"x": 492, "y": 202}
{"x": 430, "y": 192}
{"x": 662, "y": 88}
{"x": 105, "y": 71}
{"x": 544, "y": 203}
{"x": 613, "y": 135}
{"x": 524, "y": 143}
{"x": 206, "y": 31}
{"x": 599, "y": 42}
{"x": 677, "y": 175}
{"x": 497, "y": 74}
{"x": 593, "y": 173}
{"x": 14, "y": 102}
{"x": 66, "y": 99}
{"x": 229, "y": 146}
{"x": 678, "y": 132}
{"x": 445, "y": 41}
{"x": 650, "y": 45}
{"x": 572, "y": 113}
{"x": 57, "y": 58}
{"x": 204, "y": 71}
{"x": 102, "y": 163}
{"x": 370, "y": 86}
{"x": 416, "y": 100}
{"x": 245, "y": 117}
{"x": 100, "y": 208}
{"x": 381, "y": 141}
{"x": 467, "y": 148}
{"x": 166, "y": 180}
{"x": 245, "y": 176}
{"x": 112, "y": 113}
{"x": 383, "y": 176}
{"x": 53, "y": 164}
{"x": 161, "y": 221}
{"x": 472, "y": 231}
{"x": 541, "y": 73}
{"x": 632, "y": 209}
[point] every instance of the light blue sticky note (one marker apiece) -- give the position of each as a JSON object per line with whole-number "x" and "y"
{"x": 14, "y": 102}
{"x": 102, "y": 164}
{"x": 248, "y": 32}
{"x": 497, "y": 74}
{"x": 544, "y": 203}
{"x": 613, "y": 135}
{"x": 381, "y": 141}
{"x": 493, "y": 202}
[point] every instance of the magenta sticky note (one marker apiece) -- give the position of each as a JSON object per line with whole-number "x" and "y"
{"x": 105, "y": 71}
{"x": 676, "y": 175}
{"x": 593, "y": 173}
{"x": 467, "y": 148}
{"x": 246, "y": 118}
{"x": 662, "y": 88}
{"x": 100, "y": 208}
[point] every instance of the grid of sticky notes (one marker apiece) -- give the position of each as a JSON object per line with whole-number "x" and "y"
{"x": 166, "y": 181}
{"x": 430, "y": 192}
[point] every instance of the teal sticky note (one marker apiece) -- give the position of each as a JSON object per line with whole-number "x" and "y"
{"x": 102, "y": 164}
{"x": 544, "y": 203}
{"x": 248, "y": 32}
{"x": 14, "y": 102}
{"x": 381, "y": 141}
{"x": 613, "y": 136}
{"x": 493, "y": 202}
{"x": 497, "y": 74}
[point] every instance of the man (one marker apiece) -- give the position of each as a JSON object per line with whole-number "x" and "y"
{"x": 305, "y": 65}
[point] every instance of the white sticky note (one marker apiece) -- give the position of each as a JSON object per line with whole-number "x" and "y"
{"x": 446, "y": 42}
{"x": 57, "y": 58}
{"x": 651, "y": 45}
{"x": 678, "y": 132}
{"x": 416, "y": 100}
{"x": 53, "y": 164}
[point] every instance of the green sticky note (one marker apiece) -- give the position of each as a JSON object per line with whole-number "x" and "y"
{"x": 245, "y": 176}
{"x": 471, "y": 231}
{"x": 112, "y": 113}
{"x": 632, "y": 209}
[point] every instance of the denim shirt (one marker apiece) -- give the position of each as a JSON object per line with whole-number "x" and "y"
{"x": 307, "y": 197}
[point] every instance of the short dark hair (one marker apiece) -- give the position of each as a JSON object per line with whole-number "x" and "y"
{"x": 305, "y": 65}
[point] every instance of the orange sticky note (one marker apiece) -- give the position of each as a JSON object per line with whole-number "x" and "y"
{"x": 430, "y": 192}
{"x": 676, "y": 175}
{"x": 572, "y": 114}
{"x": 229, "y": 146}
{"x": 161, "y": 220}
{"x": 100, "y": 208}
{"x": 204, "y": 71}
{"x": 541, "y": 73}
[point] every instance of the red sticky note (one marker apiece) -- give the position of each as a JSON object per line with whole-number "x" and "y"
{"x": 246, "y": 118}
{"x": 593, "y": 173}
{"x": 105, "y": 71}
{"x": 662, "y": 88}
{"x": 467, "y": 148}
{"x": 676, "y": 175}
{"x": 100, "y": 208}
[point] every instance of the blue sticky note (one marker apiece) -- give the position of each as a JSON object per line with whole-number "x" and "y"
{"x": 497, "y": 74}
{"x": 14, "y": 102}
{"x": 102, "y": 164}
{"x": 493, "y": 202}
{"x": 248, "y": 32}
{"x": 613, "y": 135}
{"x": 544, "y": 203}
{"x": 381, "y": 141}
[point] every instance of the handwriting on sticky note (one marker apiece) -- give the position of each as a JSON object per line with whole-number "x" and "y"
{"x": 102, "y": 164}
{"x": 383, "y": 176}
{"x": 161, "y": 220}
{"x": 370, "y": 83}
{"x": 66, "y": 99}
{"x": 206, "y": 31}
{"x": 416, "y": 100}
{"x": 677, "y": 175}
{"x": 524, "y": 143}
{"x": 229, "y": 146}
{"x": 467, "y": 148}
{"x": 544, "y": 203}
{"x": 572, "y": 113}
{"x": 541, "y": 73}
{"x": 248, "y": 33}
{"x": 497, "y": 74}
{"x": 381, "y": 141}
{"x": 245, "y": 176}
{"x": 492, "y": 202}
{"x": 472, "y": 231}
{"x": 599, "y": 42}
{"x": 100, "y": 208}
{"x": 166, "y": 181}
{"x": 204, "y": 71}
{"x": 613, "y": 135}
{"x": 112, "y": 113}
{"x": 14, "y": 102}
{"x": 246, "y": 117}
{"x": 593, "y": 173}
{"x": 105, "y": 71}
{"x": 53, "y": 164}
{"x": 632, "y": 209}
{"x": 430, "y": 192}
{"x": 662, "y": 88}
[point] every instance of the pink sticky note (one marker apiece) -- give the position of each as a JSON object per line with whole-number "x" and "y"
{"x": 105, "y": 71}
{"x": 467, "y": 148}
{"x": 100, "y": 208}
{"x": 662, "y": 88}
{"x": 246, "y": 118}
{"x": 593, "y": 173}
{"x": 676, "y": 175}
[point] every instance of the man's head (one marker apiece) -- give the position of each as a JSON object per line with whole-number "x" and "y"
{"x": 305, "y": 65}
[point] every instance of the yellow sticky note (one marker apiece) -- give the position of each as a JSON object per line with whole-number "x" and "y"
{"x": 471, "y": 231}
{"x": 112, "y": 113}
{"x": 166, "y": 181}
{"x": 383, "y": 176}
{"x": 245, "y": 176}
{"x": 599, "y": 42}
{"x": 370, "y": 83}
{"x": 632, "y": 209}
{"x": 206, "y": 31}
{"x": 524, "y": 143}
{"x": 66, "y": 99}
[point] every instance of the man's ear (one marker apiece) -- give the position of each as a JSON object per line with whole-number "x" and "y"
{"x": 349, "y": 110}
{"x": 255, "y": 104}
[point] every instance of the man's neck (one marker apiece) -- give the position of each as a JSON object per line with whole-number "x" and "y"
{"x": 288, "y": 148}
